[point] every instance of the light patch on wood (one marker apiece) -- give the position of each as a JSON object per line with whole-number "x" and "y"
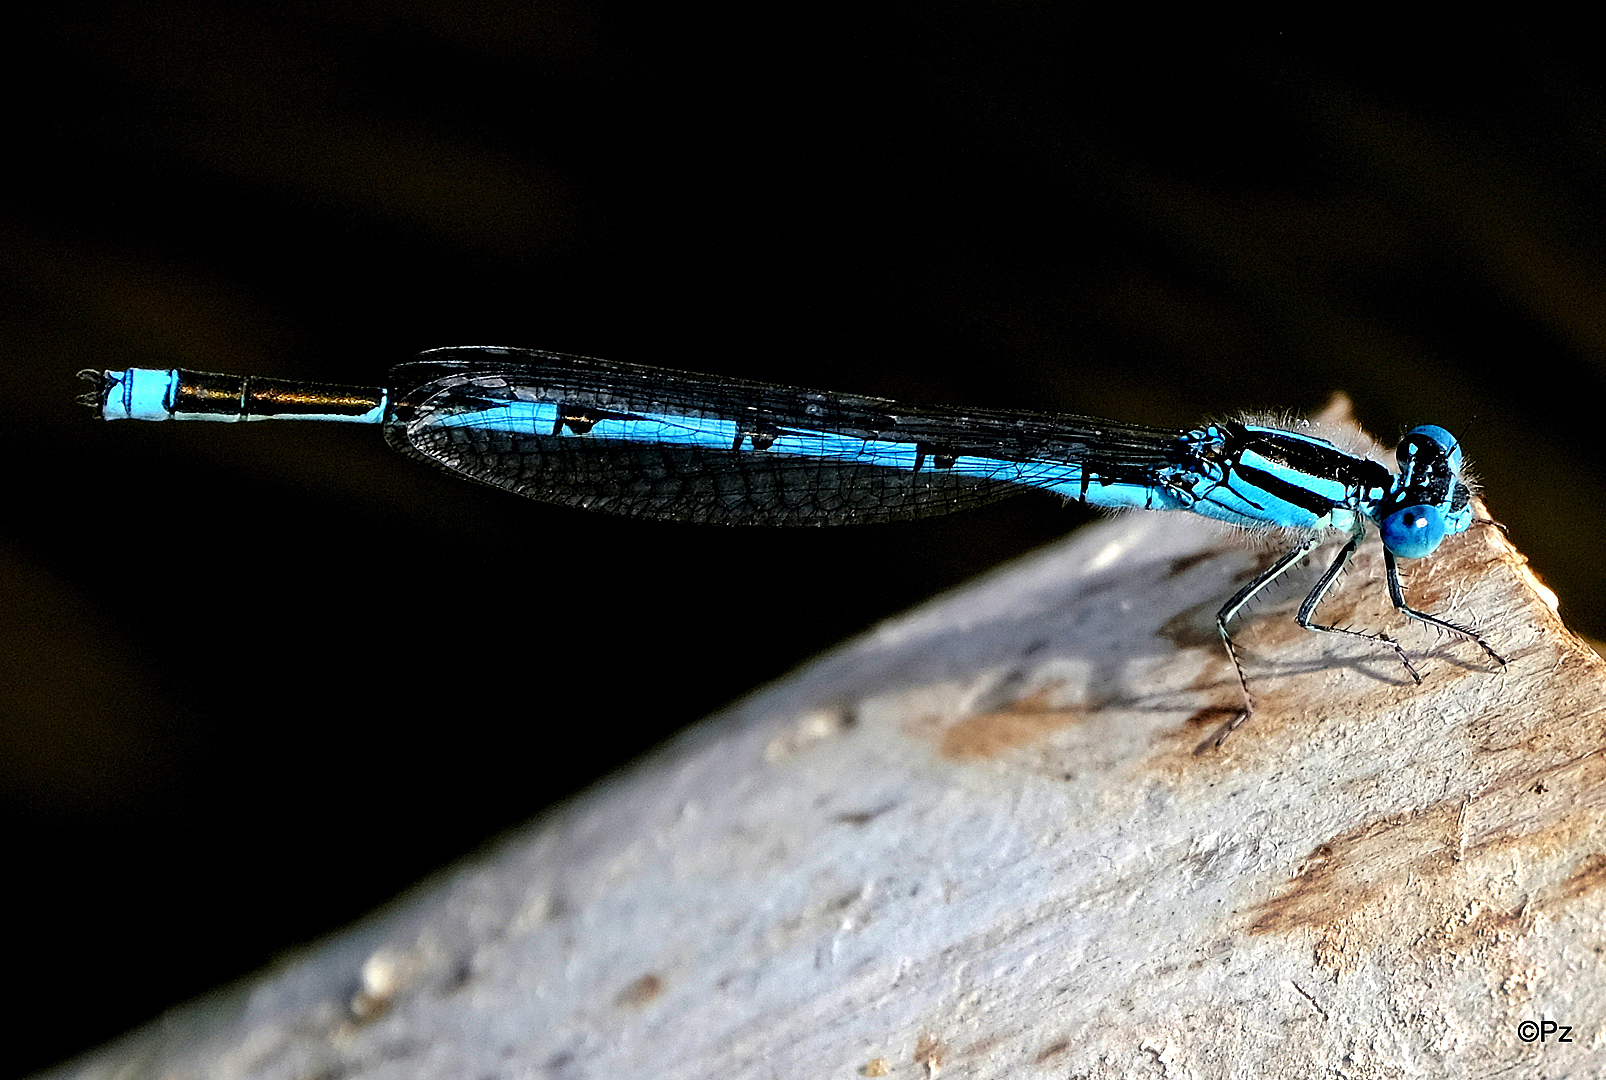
{"x": 813, "y": 727}
{"x": 384, "y": 974}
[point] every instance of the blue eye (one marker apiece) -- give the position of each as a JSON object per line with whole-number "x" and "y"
{"x": 1413, "y": 532}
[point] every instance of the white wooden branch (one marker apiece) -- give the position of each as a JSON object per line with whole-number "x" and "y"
{"x": 978, "y": 842}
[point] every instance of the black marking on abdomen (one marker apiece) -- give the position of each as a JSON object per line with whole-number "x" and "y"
{"x": 762, "y": 435}
{"x": 580, "y": 420}
{"x": 941, "y": 457}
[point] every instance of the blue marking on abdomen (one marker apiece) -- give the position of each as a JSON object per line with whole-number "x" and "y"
{"x": 140, "y": 394}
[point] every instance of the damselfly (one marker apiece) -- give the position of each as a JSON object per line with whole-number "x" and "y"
{"x": 667, "y": 444}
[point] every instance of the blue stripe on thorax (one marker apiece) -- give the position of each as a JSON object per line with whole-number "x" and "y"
{"x": 1284, "y": 478}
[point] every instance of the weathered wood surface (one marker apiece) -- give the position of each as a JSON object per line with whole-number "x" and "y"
{"x": 978, "y": 842}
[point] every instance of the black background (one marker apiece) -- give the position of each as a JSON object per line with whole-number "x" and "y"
{"x": 255, "y": 680}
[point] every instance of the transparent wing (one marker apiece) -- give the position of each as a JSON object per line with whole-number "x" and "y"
{"x": 648, "y": 442}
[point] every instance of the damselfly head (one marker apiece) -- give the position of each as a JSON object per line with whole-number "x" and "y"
{"x": 1430, "y": 499}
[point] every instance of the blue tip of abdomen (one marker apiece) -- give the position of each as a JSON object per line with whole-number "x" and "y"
{"x": 138, "y": 394}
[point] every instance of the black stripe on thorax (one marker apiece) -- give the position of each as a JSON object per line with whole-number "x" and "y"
{"x": 1278, "y": 488}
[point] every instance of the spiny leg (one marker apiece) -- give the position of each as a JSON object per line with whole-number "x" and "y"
{"x": 1397, "y": 595}
{"x": 1319, "y": 593}
{"x": 1229, "y": 610}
